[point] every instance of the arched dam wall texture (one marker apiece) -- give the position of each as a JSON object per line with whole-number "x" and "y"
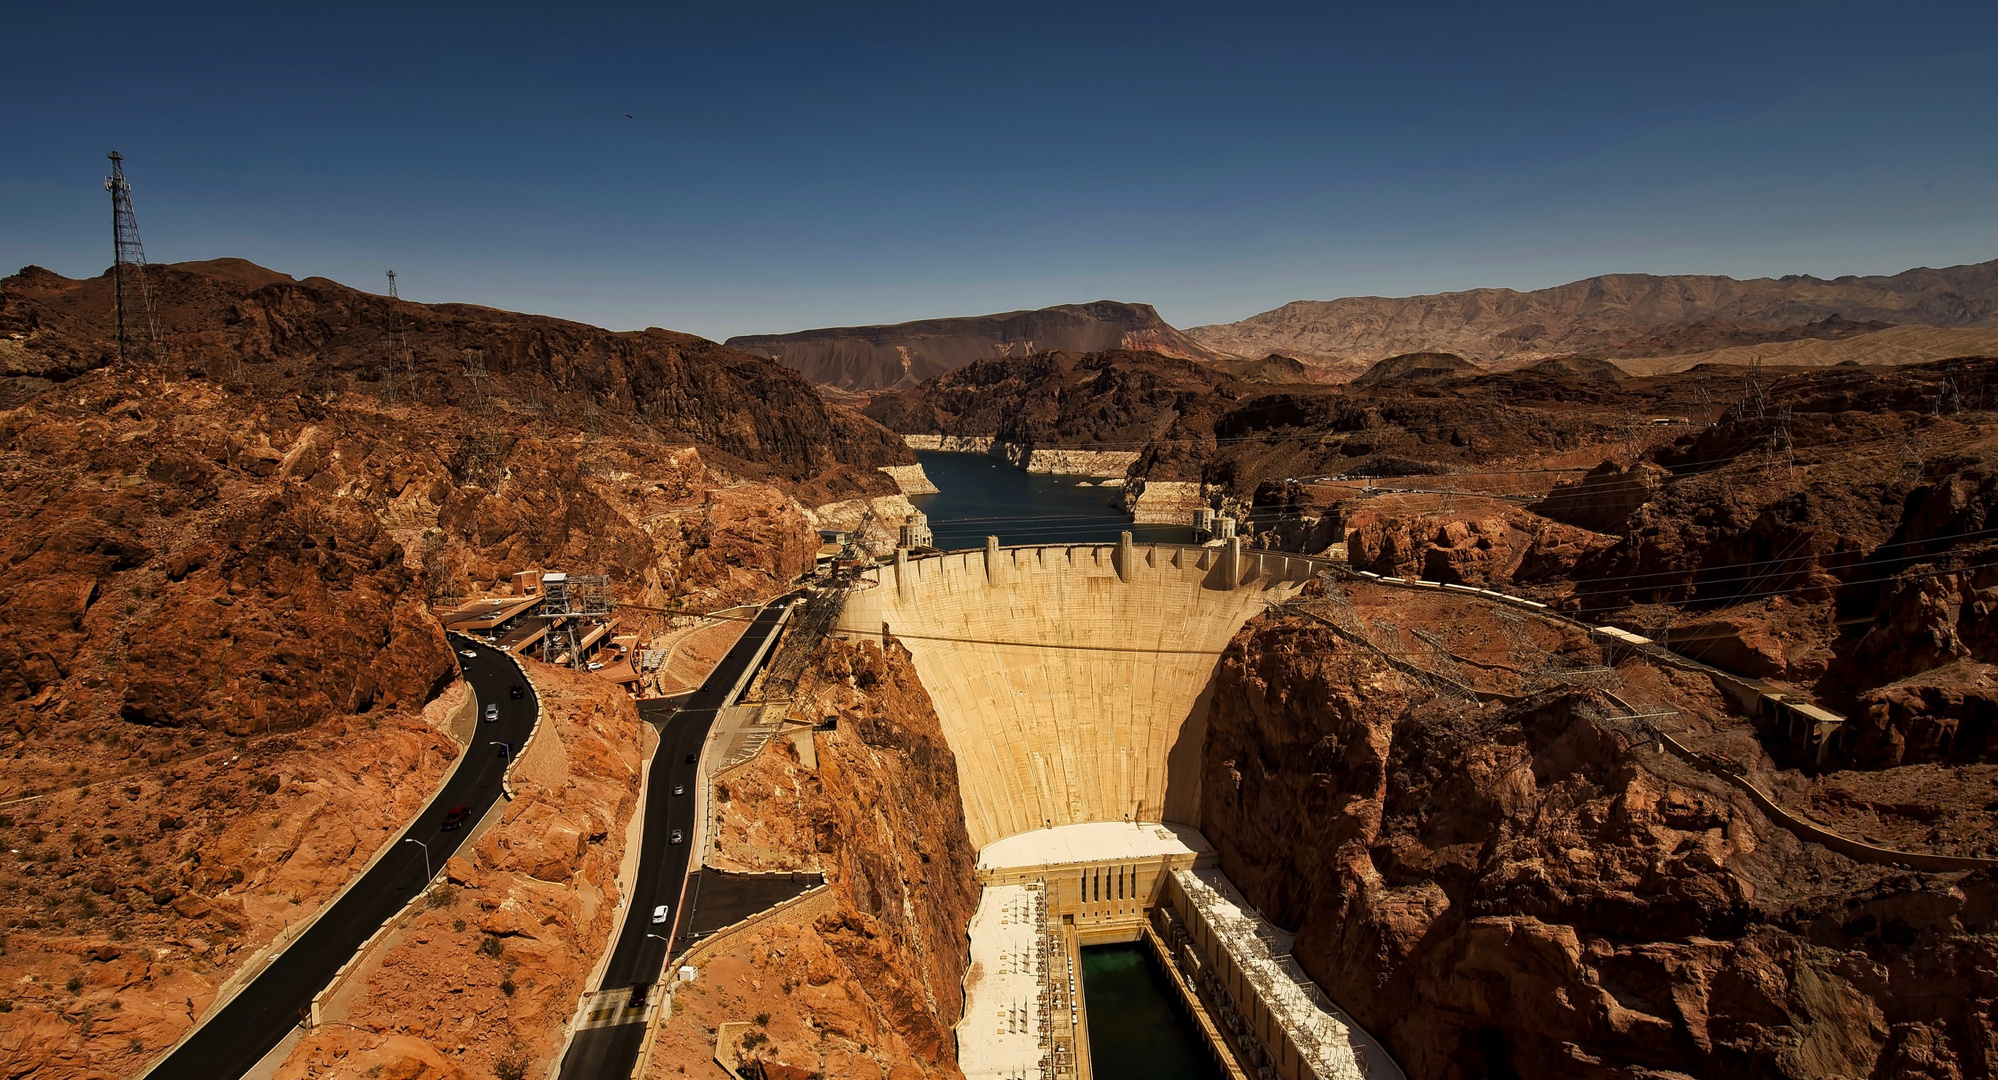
{"x": 1073, "y": 681}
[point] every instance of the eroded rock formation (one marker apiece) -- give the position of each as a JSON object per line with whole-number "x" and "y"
{"x": 132, "y": 901}
{"x": 483, "y": 974}
{"x": 1521, "y": 890}
{"x": 869, "y": 982}
{"x": 222, "y": 567}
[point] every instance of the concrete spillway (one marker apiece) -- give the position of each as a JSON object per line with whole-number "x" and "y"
{"x": 1072, "y": 681}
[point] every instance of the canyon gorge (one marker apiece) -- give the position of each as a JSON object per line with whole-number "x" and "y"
{"x": 1510, "y": 707}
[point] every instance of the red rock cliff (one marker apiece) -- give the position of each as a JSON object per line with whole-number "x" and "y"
{"x": 1516, "y": 890}
{"x": 870, "y": 982}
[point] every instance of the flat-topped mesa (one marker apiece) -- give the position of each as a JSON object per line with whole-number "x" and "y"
{"x": 1072, "y": 681}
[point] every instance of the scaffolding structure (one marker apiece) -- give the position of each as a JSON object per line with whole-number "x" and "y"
{"x": 567, "y": 600}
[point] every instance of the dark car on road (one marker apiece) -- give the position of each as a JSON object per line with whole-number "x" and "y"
{"x": 517, "y": 692}
{"x": 454, "y": 818}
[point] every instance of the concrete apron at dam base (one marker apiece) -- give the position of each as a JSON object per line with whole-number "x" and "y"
{"x": 1072, "y": 683}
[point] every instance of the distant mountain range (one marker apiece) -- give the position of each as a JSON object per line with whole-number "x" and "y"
{"x": 1641, "y": 321}
{"x": 1612, "y": 316}
{"x": 901, "y": 355}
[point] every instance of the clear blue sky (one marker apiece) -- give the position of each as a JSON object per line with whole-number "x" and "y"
{"x": 837, "y": 163}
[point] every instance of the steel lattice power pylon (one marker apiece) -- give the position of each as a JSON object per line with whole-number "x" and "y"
{"x": 134, "y": 292}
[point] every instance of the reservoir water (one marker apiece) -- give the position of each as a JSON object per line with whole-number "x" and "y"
{"x": 1135, "y": 1032}
{"x": 979, "y": 495}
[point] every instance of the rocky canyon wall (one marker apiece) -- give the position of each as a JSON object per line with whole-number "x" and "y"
{"x": 129, "y": 903}
{"x": 1520, "y": 890}
{"x": 219, "y": 643}
{"x": 868, "y": 981}
{"x": 478, "y": 978}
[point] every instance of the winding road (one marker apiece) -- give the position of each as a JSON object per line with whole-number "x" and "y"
{"x": 231, "y": 1040}
{"x": 609, "y": 1050}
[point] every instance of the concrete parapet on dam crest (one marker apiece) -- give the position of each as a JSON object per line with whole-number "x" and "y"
{"x": 1072, "y": 681}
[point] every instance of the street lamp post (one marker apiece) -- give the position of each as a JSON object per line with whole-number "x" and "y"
{"x": 669, "y": 952}
{"x": 506, "y": 749}
{"x": 426, "y": 856}
{"x": 666, "y": 942}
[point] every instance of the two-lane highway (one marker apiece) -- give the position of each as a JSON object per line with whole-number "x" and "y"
{"x": 609, "y": 1052}
{"x": 233, "y": 1039}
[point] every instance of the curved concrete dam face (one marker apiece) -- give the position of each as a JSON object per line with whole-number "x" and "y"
{"x": 1073, "y": 681}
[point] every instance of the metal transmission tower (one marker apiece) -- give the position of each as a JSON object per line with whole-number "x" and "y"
{"x": 396, "y": 356}
{"x": 1779, "y": 440}
{"x": 392, "y": 330}
{"x": 475, "y": 381}
{"x": 128, "y": 269}
{"x": 1948, "y": 401}
{"x": 1752, "y": 399}
{"x": 1533, "y": 664}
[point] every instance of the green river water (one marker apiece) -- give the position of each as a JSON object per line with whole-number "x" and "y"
{"x": 1135, "y": 1030}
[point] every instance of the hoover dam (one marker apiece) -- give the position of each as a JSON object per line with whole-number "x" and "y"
{"x": 1073, "y": 684}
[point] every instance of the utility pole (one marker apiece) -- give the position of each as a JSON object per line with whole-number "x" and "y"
{"x": 134, "y": 294}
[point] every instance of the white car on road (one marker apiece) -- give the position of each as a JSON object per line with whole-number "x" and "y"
{"x": 659, "y": 914}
